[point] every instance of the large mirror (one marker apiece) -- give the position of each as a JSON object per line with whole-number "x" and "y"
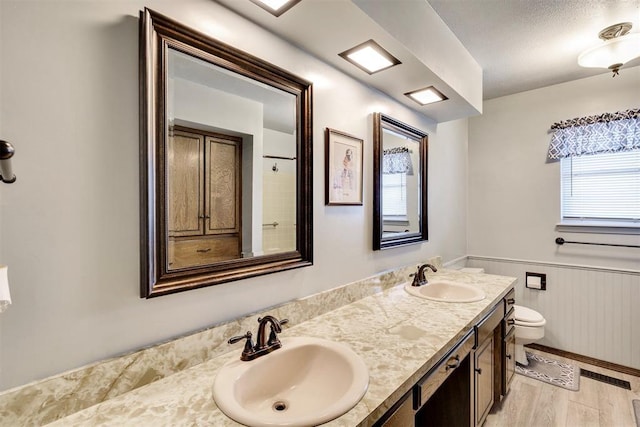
{"x": 399, "y": 183}
{"x": 226, "y": 147}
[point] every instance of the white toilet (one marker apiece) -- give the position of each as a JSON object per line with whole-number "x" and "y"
{"x": 529, "y": 326}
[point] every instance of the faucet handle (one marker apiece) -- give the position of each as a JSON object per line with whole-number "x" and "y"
{"x": 234, "y": 340}
{"x": 248, "y": 345}
{"x": 273, "y": 335}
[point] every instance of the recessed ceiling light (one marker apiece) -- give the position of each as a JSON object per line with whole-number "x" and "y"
{"x": 370, "y": 57}
{"x": 276, "y": 7}
{"x": 425, "y": 96}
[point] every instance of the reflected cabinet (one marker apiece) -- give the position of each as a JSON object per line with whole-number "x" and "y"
{"x": 204, "y": 198}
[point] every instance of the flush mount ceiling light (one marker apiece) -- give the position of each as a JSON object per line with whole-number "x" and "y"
{"x": 276, "y": 7}
{"x": 425, "y": 96}
{"x": 370, "y": 57}
{"x": 617, "y": 48}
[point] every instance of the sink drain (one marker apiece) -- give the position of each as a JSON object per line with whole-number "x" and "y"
{"x": 279, "y": 406}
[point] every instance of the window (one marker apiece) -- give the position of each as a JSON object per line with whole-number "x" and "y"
{"x": 600, "y": 171}
{"x": 601, "y": 189}
{"x": 394, "y": 195}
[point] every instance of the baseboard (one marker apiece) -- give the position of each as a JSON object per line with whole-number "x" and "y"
{"x": 586, "y": 359}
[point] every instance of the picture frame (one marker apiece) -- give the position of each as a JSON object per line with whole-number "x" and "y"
{"x": 343, "y": 168}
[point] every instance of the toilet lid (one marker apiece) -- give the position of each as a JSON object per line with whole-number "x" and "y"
{"x": 526, "y": 315}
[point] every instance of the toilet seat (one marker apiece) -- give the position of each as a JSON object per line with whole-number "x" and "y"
{"x": 527, "y": 317}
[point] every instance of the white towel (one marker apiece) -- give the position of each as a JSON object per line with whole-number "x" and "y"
{"x": 5, "y": 295}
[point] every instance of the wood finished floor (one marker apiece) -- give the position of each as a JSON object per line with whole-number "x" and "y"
{"x": 533, "y": 403}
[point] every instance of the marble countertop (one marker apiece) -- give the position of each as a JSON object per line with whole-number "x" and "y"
{"x": 400, "y": 337}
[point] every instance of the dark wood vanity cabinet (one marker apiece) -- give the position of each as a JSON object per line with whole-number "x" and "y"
{"x": 462, "y": 388}
{"x": 443, "y": 397}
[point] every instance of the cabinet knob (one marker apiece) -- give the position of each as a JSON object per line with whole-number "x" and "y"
{"x": 511, "y": 301}
{"x": 455, "y": 364}
{"x": 479, "y": 371}
{"x": 203, "y": 251}
{"x": 508, "y": 356}
{"x": 511, "y": 322}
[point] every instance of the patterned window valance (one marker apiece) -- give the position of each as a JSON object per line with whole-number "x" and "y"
{"x": 606, "y": 133}
{"x": 397, "y": 160}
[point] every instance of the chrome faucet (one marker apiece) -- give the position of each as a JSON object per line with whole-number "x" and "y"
{"x": 262, "y": 346}
{"x": 419, "y": 278}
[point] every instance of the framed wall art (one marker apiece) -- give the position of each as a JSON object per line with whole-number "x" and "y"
{"x": 343, "y": 168}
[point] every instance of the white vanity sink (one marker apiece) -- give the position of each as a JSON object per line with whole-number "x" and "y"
{"x": 308, "y": 381}
{"x": 446, "y": 291}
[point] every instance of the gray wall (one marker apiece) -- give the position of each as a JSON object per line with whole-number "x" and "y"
{"x": 514, "y": 193}
{"x": 69, "y": 225}
{"x": 514, "y": 206}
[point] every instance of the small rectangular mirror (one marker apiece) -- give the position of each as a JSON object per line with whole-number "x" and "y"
{"x": 400, "y": 183}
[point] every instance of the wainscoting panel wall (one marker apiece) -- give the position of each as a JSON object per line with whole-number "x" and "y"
{"x": 590, "y": 311}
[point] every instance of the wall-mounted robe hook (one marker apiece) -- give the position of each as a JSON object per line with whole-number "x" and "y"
{"x": 6, "y": 171}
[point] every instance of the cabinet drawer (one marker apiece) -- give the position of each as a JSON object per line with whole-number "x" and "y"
{"x": 429, "y": 384}
{"x": 202, "y": 251}
{"x": 509, "y": 322}
{"x": 486, "y": 327}
{"x": 509, "y": 301}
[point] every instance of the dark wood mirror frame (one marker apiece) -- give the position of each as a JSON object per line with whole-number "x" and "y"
{"x": 380, "y": 122}
{"x": 158, "y": 33}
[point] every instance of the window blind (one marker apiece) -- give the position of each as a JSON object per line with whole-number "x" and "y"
{"x": 601, "y": 187}
{"x": 394, "y": 194}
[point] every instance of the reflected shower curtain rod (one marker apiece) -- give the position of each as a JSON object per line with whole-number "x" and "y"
{"x": 561, "y": 241}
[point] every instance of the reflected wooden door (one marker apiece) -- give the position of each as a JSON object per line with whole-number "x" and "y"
{"x": 222, "y": 186}
{"x": 185, "y": 158}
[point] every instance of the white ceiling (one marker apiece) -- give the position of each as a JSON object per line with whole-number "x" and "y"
{"x": 528, "y": 44}
{"x": 519, "y": 44}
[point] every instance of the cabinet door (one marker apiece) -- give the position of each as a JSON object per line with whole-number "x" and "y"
{"x": 509, "y": 361}
{"x": 402, "y": 415}
{"x": 484, "y": 376}
{"x": 223, "y": 186}
{"x": 185, "y": 164}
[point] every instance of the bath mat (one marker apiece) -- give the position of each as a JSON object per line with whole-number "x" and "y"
{"x": 636, "y": 410}
{"x": 551, "y": 371}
